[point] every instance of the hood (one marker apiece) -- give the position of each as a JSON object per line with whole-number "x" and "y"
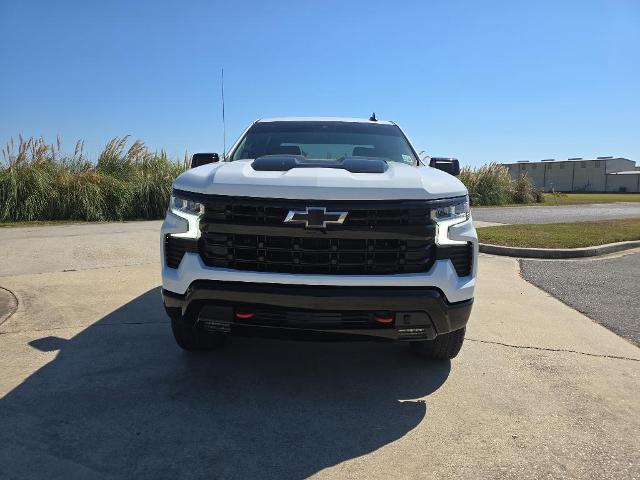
{"x": 398, "y": 182}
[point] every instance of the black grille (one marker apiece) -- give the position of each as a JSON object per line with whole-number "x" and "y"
{"x": 249, "y": 212}
{"x": 377, "y": 237}
{"x": 315, "y": 255}
{"x": 175, "y": 248}
{"x": 461, "y": 257}
{"x": 312, "y": 319}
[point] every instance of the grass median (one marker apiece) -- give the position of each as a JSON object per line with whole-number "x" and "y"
{"x": 559, "y": 199}
{"x": 582, "y": 198}
{"x": 562, "y": 235}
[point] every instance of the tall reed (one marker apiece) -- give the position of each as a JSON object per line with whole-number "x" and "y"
{"x": 40, "y": 182}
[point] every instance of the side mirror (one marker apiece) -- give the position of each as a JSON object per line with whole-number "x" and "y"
{"x": 449, "y": 165}
{"x": 198, "y": 159}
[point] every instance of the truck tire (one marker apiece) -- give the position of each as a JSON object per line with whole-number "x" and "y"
{"x": 443, "y": 347}
{"x": 191, "y": 338}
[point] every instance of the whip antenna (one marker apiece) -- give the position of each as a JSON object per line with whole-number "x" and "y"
{"x": 224, "y": 127}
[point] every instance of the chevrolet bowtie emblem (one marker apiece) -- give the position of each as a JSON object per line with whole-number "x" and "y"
{"x": 315, "y": 217}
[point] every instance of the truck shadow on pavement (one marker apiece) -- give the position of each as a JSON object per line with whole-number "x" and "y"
{"x": 122, "y": 400}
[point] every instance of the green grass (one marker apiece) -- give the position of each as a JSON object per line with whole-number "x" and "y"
{"x": 562, "y": 235}
{"x": 559, "y": 199}
{"x": 580, "y": 198}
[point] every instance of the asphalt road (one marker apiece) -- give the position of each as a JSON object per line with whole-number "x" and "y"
{"x": 606, "y": 290}
{"x": 559, "y": 214}
{"x": 93, "y": 386}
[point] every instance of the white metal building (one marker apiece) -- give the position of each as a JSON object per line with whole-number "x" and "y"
{"x": 602, "y": 174}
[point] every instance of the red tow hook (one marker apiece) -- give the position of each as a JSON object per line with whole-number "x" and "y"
{"x": 240, "y": 315}
{"x": 383, "y": 318}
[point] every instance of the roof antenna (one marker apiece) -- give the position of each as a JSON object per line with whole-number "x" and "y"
{"x": 224, "y": 128}
{"x": 373, "y": 118}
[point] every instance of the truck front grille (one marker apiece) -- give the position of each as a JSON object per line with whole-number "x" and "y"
{"x": 376, "y": 237}
{"x": 321, "y": 254}
{"x": 273, "y": 212}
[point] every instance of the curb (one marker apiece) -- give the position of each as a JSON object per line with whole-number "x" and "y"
{"x": 558, "y": 252}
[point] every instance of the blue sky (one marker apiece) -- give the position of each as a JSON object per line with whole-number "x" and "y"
{"x": 482, "y": 81}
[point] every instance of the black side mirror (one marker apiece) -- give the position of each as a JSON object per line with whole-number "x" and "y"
{"x": 449, "y": 165}
{"x": 198, "y": 159}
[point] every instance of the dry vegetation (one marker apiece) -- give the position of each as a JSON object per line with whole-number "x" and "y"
{"x": 491, "y": 184}
{"x": 39, "y": 182}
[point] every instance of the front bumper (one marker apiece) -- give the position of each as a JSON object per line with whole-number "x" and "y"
{"x": 418, "y": 313}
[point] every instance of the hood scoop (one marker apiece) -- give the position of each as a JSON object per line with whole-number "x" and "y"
{"x": 284, "y": 163}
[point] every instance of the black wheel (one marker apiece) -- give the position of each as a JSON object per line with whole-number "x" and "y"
{"x": 191, "y": 338}
{"x": 443, "y": 347}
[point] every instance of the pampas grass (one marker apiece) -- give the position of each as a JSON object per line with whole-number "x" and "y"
{"x": 39, "y": 182}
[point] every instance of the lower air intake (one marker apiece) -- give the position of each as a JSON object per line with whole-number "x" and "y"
{"x": 461, "y": 257}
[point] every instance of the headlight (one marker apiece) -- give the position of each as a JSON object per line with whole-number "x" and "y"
{"x": 448, "y": 213}
{"x": 187, "y": 206}
{"x": 189, "y": 210}
{"x": 457, "y": 209}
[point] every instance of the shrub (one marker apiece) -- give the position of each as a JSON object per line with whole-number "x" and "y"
{"x": 38, "y": 182}
{"x": 523, "y": 190}
{"x": 492, "y": 184}
{"x": 487, "y": 185}
{"x": 538, "y": 196}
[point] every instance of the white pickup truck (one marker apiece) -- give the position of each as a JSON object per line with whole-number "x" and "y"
{"x": 322, "y": 228}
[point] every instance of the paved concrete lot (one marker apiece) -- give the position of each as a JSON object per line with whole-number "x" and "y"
{"x": 77, "y": 246}
{"x": 560, "y": 214}
{"x": 605, "y": 289}
{"x": 92, "y": 386}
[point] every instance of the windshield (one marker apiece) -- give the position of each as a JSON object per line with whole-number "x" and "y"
{"x": 325, "y": 140}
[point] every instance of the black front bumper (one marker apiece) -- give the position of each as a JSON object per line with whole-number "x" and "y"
{"x": 332, "y": 312}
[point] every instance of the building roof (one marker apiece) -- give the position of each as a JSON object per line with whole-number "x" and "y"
{"x": 552, "y": 160}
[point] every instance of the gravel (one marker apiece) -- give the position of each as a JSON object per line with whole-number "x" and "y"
{"x": 559, "y": 214}
{"x": 606, "y": 290}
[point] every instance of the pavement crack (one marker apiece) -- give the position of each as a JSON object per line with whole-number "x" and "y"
{"x": 69, "y": 270}
{"x": 76, "y": 270}
{"x": 13, "y": 309}
{"x": 546, "y": 349}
